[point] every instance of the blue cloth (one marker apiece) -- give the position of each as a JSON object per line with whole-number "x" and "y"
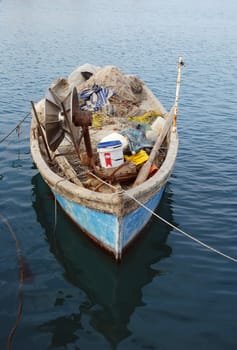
{"x": 95, "y": 98}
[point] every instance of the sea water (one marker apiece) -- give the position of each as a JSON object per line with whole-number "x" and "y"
{"x": 169, "y": 292}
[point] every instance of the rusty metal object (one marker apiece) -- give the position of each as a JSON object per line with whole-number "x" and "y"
{"x": 78, "y": 116}
{"x": 82, "y": 118}
{"x": 123, "y": 173}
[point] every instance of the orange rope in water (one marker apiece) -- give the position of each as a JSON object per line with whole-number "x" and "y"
{"x": 21, "y": 278}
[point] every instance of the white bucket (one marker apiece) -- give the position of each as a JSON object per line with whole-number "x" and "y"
{"x": 110, "y": 154}
{"x": 115, "y": 136}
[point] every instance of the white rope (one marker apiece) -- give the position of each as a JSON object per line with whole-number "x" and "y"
{"x": 160, "y": 218}
{"x": 181, "y": 231}
{"x": 55, "y": 215}
{"x": 173, "y": 226}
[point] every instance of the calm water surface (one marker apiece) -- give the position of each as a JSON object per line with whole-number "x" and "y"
{"x": 169, "y": 292}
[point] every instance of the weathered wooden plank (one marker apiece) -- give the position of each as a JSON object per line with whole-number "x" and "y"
{"x": 144, "y": 171}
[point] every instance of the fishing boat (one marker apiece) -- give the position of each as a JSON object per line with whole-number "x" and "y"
{"x": 106, "y": 147}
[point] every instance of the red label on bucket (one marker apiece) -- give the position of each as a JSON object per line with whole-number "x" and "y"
{"x": 108, "y": 161}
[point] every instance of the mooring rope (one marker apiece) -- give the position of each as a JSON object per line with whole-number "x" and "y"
{"x": 170, "y": 224}
{"x": 21, "y": 279}
{"x": 183, "y": 232}
{"x": 17, "y": 127}
{"x": 55, "y": 215}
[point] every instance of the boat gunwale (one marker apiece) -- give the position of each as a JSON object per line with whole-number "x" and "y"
{"x": 119, "y": 202}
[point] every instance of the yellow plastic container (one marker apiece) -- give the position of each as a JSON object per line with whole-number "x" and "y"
{"x": 138, "y": 158}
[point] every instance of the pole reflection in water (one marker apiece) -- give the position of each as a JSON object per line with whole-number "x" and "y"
{"x": 113, "y": 290}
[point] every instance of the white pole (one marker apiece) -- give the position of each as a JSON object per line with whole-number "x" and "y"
{"x": 180, "y": 64}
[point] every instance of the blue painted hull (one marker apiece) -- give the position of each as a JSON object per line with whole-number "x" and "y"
{"x": 112, "y": 232}
{"x": 112, "y": 218}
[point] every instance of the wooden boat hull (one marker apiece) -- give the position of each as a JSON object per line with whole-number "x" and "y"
{"x": 114, "y": 233}
{"x": 112, "y": 220}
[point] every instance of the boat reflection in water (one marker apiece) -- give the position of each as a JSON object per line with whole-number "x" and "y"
{"x": 114, "y": 290}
